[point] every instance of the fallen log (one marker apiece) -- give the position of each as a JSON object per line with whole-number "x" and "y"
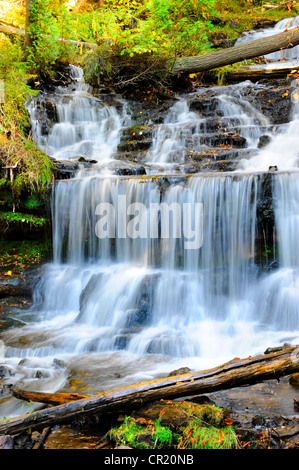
{"x": 58, "y": 398}
{"x": 254, "y": 73}
{"x": 231, "y": 55}
{"x": 236, "y": 373}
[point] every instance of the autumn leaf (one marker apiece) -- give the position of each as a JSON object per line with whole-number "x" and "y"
{"x": 228, "y": 421}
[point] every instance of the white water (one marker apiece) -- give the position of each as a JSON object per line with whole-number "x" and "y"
{"x": 117, "y": 311}
{"x": 86, "y": 126}
{"x": 183, "y": 129}
{"x": 283, "y": 148}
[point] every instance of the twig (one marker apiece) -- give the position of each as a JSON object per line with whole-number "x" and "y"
{"x": 42, "y": 439}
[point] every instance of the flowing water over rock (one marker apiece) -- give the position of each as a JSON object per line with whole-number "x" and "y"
{"x": 167, "y": 269}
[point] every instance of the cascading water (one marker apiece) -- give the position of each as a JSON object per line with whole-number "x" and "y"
{"x": 184, "y": 130}
{"x": 282, "y": 150}
{"x": 124, "y": 298}
{"x": 85, "y": 127}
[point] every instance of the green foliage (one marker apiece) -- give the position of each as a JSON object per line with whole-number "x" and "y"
{"x": 14, "y": 75}
{"x": 206, "y": 429}
{"x": 16, "y": 256}
{"x": 162, "y": 435}
{"x": 197, "y": 436}
{"x": 34, "y": 169}
{"x": 186, "y": 24}
{"x": 142, "y": 434}
{"x": 44, "y": 33}
{"x": 13, "y": 217}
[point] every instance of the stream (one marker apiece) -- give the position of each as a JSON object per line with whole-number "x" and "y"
{"x": 165, "y": 269}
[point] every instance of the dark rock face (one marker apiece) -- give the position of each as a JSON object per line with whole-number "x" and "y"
{"x": 263, "y": 141}
{"x": 272, "y": 98}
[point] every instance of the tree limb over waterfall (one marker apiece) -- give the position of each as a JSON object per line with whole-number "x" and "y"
{"x": 231, "y": 55}
{"x": 236, "y": 373}
{"x": 212, "y": 60}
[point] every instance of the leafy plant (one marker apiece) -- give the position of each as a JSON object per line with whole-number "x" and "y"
{"x": 16, "y": 256}
{"x": 198, "y": 436}
{"x": 24, "y": 218}
{"x": 141, "y": 433}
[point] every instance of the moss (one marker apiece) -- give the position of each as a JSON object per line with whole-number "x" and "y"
{"x": 142, "y": 434}
{"x": 201, "y": 427}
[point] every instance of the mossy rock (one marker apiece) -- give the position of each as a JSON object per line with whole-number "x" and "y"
{"x": 170, "y": 424}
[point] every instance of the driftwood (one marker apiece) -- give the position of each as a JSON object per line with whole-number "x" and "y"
{"x": 42, "y": 438}
{"x": 48, "y": 398}
{"x": 236, "y": 373}
{"x": 257, "y": 73}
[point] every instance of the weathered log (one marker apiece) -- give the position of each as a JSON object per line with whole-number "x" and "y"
{"x": 231, "y": 55}
{"x": 257, "y": 73}
{"x": 236, "y": 373}
{"x": 58, "y": 398}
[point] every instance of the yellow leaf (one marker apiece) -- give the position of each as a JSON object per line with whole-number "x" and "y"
{"x": 9, "y": 273}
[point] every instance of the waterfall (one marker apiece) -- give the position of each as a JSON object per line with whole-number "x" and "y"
{"x": 154, "y": 272}
{"x": 172, "y": 137}
{"x": 84, "y": 125}
{"x": 185, "y": 130}
{"x": 282, "y": 151}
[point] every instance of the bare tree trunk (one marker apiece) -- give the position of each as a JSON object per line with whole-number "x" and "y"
{"x": 28, "y": 40}
{"x": 236, "y": 373}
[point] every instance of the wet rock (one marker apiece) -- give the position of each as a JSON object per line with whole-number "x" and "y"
{"x": 224, "y": 139}
{"x": 182, "y": 370}
{"x": 41, "y": 374}
{"x": 278, "y": 348}
{"x": 4, "y": 371}
{"x": 263, "y": 141}
{"x": 23, "y": 441}
{"x": 6, "y": 442}
{"x": 294, "y": 380}
{"x": 140, "y": 170}
{"x": 65, "y": 169}
{"x": 58, "y": 363}
{"x": 272, "y": 97}
{"x": 201, "y": 400}
{"x": 205, "y": 104}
